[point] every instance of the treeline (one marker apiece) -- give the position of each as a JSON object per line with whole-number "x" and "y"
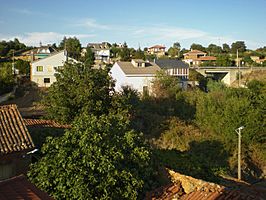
{"x": 7, "y": 48}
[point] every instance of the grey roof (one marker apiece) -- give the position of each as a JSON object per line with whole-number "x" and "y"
{"x": 129, "y": 69}
{"x": 171, "y": 63}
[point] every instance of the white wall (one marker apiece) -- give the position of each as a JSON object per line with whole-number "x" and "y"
{"x": 135, "y": 81}
{"x": 49, "y": 64}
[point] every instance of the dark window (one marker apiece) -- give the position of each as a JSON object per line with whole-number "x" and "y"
{"x": 46, "y": 80}
{"x": 145, "y": 90}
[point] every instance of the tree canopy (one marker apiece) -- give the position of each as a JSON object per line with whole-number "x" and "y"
{"x": 72, "y": 45}
{"x": 77, "y": 88}
{"x": 99, "y": 158}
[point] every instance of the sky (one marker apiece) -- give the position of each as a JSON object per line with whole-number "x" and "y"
{"x": 139, "y": 23}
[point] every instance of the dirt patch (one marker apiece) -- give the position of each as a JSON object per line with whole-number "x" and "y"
{"x": 27, "y": 98}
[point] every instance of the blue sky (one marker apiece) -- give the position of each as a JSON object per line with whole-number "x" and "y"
{"x": 138, "y": 22}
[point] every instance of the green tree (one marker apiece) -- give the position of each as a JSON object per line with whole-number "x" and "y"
{"x": 89, "y": 57}
{"x": 165, "y": 86}
{"x": 224, "y": 60}
{"x": 72, "y": 45}
{"x": 7, "y": 80}
{"x": 23, "y": 66}
{"x": 238, "y": 45}
{"x": 78, "y": 88}
{"x": 226, "y": 48}
{"x": 139, "y": 54}
{"x": 99, "y": 158}
{"x": 124, "y": 53}
{"x": 198, "y": 47}
{"x": 214, "y": 49}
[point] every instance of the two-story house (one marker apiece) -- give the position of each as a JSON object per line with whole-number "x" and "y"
{"x": 157, "y": 50}
{"x": 196, "y": 57}
{"x": 43, "y": 70}
{"x": 101, "y": 52}
{"x": 137, "y": 74}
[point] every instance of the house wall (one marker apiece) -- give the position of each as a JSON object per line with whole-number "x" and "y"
{"x": 49, "y": 64}
{"x": 14, "y": 165}
{"x": 135, "y": 81}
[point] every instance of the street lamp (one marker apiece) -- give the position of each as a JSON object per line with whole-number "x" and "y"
{"x": 238, "y": 131}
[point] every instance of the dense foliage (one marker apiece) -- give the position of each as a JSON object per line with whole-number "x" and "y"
{"x": 7, "y": 48}
{"x": 78, "y": 88}
{"x": 7, "y": 80}
{"x": 192, "y": 129}
{"x": 99, "y": 158}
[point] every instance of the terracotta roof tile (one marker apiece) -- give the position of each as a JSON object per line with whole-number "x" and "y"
{"x": 44, "y": 123}
{"x": 157, "y": 46}
{"x": 202, "y": 190}
{"x": 20, "y": 188}
{"x": 14, "y": 135}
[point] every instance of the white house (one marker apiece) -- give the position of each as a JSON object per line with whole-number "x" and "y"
{"x": 176, "y": 68}
{"x": 43, "y": 70}
{"x": 101, "y": 52}
{"x": 137, "y": 74}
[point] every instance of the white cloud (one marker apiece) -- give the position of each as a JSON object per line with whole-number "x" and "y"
{"x": 34, "y": 38}
{"x": 91, "y": 24}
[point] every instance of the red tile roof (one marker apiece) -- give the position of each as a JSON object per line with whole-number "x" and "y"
{"x": 157, "y": 46}
{"x": 44, "y": 123}
{"x": 189, "y": 188}
{"x": 14, "y": 135}
{"x": 206, "y": 58}
{"x": 194, "y": 51}
{"x": 20, "y": 188}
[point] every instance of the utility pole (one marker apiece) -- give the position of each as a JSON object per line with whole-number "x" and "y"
{"x": 238, "y": 65}
{"x": 13, "y": 63}
{"x": 239, "y": 152}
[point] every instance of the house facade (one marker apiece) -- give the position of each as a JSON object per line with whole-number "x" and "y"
{"x": 101, "y": 52}
{"x": 176, "y": 68}
{"x": 15, "y": 143}
{"x": 43, "y": 70}
{"x": 137, "y": 74}
{"x": 157, "y": 50}
{"x": 196, "y": 57}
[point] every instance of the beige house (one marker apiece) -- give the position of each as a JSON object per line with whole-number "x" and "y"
{"x": 196, "y": 57}
{"x": 157, "y": 50}
{"x": 43, "y": 70}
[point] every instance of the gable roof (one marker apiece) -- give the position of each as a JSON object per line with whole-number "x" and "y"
{"x": 43, "y": 123}
{"x": 14, "y": 136}
{"x": 206, "y": 58}
{"x": 20, "y": 188}
{"x": 194, "y": 51}
{"x": 129, "y": 69}
{"x": 171, "y": 63}
{"x": 157, "y": 46}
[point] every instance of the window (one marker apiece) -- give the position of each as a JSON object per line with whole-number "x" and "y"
{"x": 39, "y": 68}
{"x": 46, "y": 80}
{"x": 145, "y": 91}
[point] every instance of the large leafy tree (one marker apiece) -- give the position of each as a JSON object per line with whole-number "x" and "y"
{"x": 99, "y": 158}
{"x": 72, "y": 45}
{"x": 238, "y": 45}
{"x": 78, "y": 87}
{"x": 198, "y": 47}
